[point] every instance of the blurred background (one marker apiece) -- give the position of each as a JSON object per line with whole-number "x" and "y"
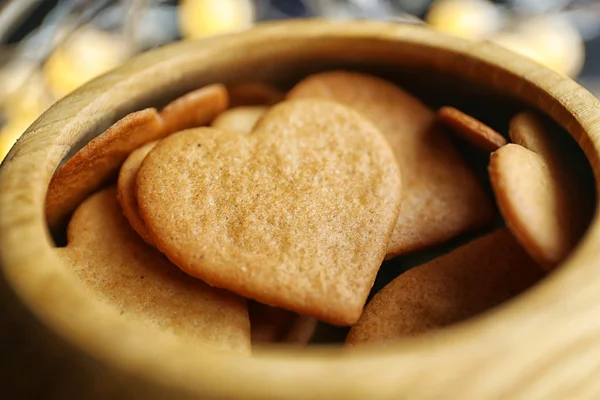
{"x": 50, "y": 47}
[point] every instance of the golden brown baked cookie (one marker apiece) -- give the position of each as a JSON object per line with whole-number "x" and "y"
{"x": 296, "y": 215}
{"x": 196, "y": 108}
{"x": 96, "y": 163}
{"x": 253, "y": 93}
{"x": 542, "y": 204}
{"x": 99, "y": 161}
{"x": 126, "y": 186}
{"x": 239, "y": 119}
{"x": 549, "y": 204}
{"x": 139, "y": 283}
{"x": 471, "y": 129}
{"x": 459, "y": 285}
{"x": 442, "y": 196}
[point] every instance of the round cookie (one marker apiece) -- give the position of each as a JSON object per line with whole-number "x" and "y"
{"x": 541, "y": 190}
{"x": 196, "y": 108}
{"x": 97, "y": 162}
{"x": 140, "y": 284}
{"x": 239, "y": 119}
{"x": 442, "y": 195}
{"x": 126, "y": 186}
{"x": 459, "y": 285}
{"x": 536, "y": 204}
{"x": 296, "y": 215}
{"x": 471, "y": 129}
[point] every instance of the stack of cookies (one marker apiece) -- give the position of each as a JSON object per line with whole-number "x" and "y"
{"x": 240, "y": 215}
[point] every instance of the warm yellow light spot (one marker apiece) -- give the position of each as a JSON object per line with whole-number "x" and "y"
{"x": 28, "y": 101}
{"x": 551, "y": 41}
{"x": 14, "y": 74}
{"x": 472, "y": 19}
{"x": 203, "y": 18}
{"x": 86, "y": 55}
{"x": 21, "y": 107}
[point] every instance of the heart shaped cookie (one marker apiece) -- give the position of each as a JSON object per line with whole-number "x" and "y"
{"x": 238, "y": 119}
{"x": 442, "y": 196}
{"x": 461, "y": 284}
{"x": 140, "y": 284}
{"x": 296, "y": 215}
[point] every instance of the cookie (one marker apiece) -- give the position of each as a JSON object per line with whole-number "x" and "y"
{"x": 296, "y": 215}
{"x": 195, "y": 108}
{"x": 540, "y": 202}
{"x": 139, "y": 283}
{"x": 275, "y": 325}
{"x": 470, "y": 129}
{"x": 97, "y": 163}
{"x": 253, "y": 94}
{"x": 442, "y": 196}
{"x": 459, "y": 285}
{"x": 239, "y": 119}
{"x": 548, "y": 228}
{"x": 126, "y": 190}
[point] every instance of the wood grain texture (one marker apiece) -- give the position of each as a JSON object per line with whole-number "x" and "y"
{"x": 62, "y": 344}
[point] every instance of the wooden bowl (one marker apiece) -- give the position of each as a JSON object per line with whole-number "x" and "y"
{"x": 57, "y": 342}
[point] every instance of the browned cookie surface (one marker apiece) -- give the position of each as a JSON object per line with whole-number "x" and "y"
{"x": 541, "y": 190}
{"x": 442, "y": 196}
{"x": 471, "y": 129}
{"x": 140, "y": 284}
{"x": 96, "y": 163}
{"x": 536, "y": 205}
{"x": 297, "y": 215}
{"x": 447, "y": 290}
{"x": 196, "y": 108}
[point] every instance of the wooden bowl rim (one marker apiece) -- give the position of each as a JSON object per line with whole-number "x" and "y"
{"x": 556, "y": 316}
